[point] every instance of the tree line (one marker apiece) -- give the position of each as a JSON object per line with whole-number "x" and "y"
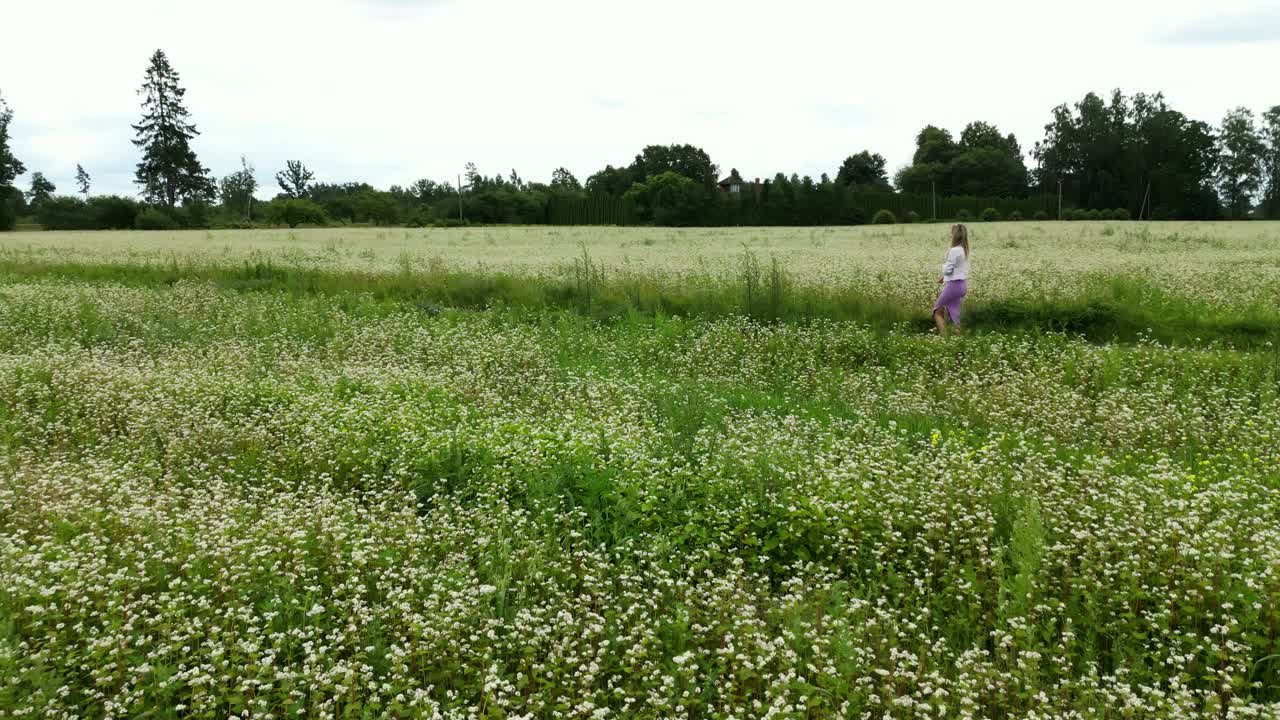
{"x": 1123, "y": 156}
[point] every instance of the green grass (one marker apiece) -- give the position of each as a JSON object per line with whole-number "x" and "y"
{"x": 1105, "y": 308}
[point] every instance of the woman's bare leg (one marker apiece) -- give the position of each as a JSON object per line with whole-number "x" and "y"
{"x": 940, "y": 322}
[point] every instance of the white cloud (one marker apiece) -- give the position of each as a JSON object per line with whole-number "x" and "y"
{"x": 1257, "y": 26}
{"x": 391, "y": 90}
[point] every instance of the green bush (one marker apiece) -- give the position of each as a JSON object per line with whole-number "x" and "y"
{"x": 113, "y": 212}
{"x": 884, "y": 217}
{"x": 421, "y": 217}
{"x": 1015, "y": 216}
{"x": 194, "y": 214}
{"x": 153, "y": 218}
{"x": 990, "y": 215}
{"x": 64, "y": 212}
{"x": 912, "y": 216}
{"x": 451, "y": 223}
{"x": 1041, "y": 215}
{"x": 8, "y": 212}
{"x": 296, "y": 211}
{"x": 1120, "y": 214}
{"x": 1093, "y": 215}
{"x": 963, "y": 215}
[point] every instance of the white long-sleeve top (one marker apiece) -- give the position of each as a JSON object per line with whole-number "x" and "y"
{"x": 957, "y": 265}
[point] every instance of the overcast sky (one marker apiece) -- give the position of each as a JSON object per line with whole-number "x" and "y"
{"x": 388, "y": 91}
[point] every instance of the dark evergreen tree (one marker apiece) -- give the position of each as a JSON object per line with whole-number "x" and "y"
{"x": 82, "y": 180}
{"x": 474, "y": 180}
{"x": 169, "y": 171}
{"x": 295, "y": 179}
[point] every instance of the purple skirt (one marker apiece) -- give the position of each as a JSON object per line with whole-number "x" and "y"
{"x": 952, "y": 298}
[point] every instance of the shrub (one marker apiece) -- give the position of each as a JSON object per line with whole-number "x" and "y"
{"x": 112, "y": 212}
{"x": 64, "y": 212}
{"x": 964, "y": 215}
{"x": 1015, "y": 216}
{"x": 990, "y": 215}
{"x": 884, "y": 217}
{"x": 194, "y": 214}
{"x": 451, "y": 223}
{"x": 294, "y": 212}
{"x": 422, "y": 217}
{"x": 1041, "y": 215}
{"x": 1093, "y": 215}
{"x": 1120, "y": 214}
{"x": 153, "y": 218}
{"x": 912, "y": 216}
{"x": 8, "y": 218}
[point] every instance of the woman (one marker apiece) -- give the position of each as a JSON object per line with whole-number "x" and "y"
{"x": 955, "y": 273}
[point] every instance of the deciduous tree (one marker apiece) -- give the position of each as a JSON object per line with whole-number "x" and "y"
{"x": 236, "y": 189}
{"x": 42, "y": 189}
{"x": 610, "y": 181}
{"x": 864, "y": 171}
{"x": 1240, "y": 151}
{"x": 10, "y": 166}
{"x": 562, "y": 180}
{"x": 1107, "y": 155}
{"x": 295, "y": 179}
{"x": 687, "y": 160}
{"x": 10, "y": 169}
{"x": 1271, "y": 162}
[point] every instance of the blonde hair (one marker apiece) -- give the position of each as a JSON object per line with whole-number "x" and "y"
{"x": 960, "y": 236}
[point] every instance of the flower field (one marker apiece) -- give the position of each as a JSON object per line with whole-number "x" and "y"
{"x": 615, "y": 473}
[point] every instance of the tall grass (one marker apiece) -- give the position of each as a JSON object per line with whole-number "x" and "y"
{"x": 1106, "y": 307}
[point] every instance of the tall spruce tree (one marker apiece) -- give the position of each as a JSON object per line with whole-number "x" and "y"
{"x": 82, "y": 180}
{"x": 169, "y": 171}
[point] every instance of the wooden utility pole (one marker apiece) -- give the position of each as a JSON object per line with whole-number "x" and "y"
{"x": 461, "y": 218}
{"x": 1059, "y": 199}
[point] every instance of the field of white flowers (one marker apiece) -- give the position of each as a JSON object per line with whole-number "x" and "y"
{"x": 1235, "y": 264}
{"x": 319, "y": 502}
